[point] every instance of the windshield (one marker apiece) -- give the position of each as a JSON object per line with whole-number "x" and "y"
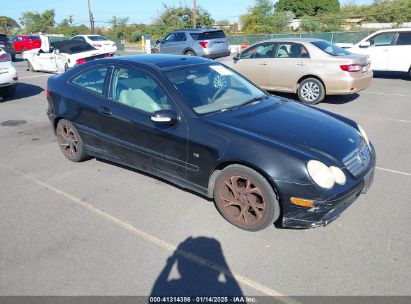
{"x": 210, "y": 88}
{"x": 330, "y": 48}
{"x": 97, "y": 38}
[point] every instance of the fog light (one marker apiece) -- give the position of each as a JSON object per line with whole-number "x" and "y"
{"x": 302, "y": 202}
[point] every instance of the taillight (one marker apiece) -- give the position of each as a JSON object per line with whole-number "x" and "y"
{"x": 203, "y": 44}
{"x": 106, "y": 55}
{"x": 15, "y": 78}
{"x": 114, "y": 44}
{"x": 350, "y": 67}
{"x": 5, "y": 57}
{"x": 97, "y": 45}
{"x": 48, "y": 92}
{"x": 81, "y": 60}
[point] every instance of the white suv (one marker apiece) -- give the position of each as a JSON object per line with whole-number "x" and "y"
{"x": 389, "y": 50}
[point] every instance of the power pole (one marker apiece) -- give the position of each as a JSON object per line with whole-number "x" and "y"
{"x": 90, "y": 14}
{"x": 194, "y": 14}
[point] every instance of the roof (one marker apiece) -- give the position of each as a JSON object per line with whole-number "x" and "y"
{"x": 402, "y": 29}
{"x": 198, "y": 30}
{"x": 290, "y": 39}
{"x": 162, "y": 61}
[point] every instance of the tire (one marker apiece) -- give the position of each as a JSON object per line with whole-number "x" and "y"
{"x": 311, "y": 91}
{"x": 70, "y": 142}
{"x": 10, "y": 91}
{"x": 253, "y": 209}
{"x": 189, "y": 53}
{"x": 30, "y": 67}
{"x": 13, "y": 57}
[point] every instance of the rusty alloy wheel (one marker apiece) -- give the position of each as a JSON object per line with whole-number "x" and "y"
{"x": 245, "y": 198}
{"x": 69, "y": 141}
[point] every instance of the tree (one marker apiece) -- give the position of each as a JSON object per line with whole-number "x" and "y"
{"x": 8, "y": 23}
{"x": 308, "y": 7}
{"x": 38, "y": 22}
{"x": 262, "y": 19}
{"x": 119, "y": 26}
{"x": 298, "y": 7}
{"x": 310, "y": 24}
{"x": 181, "y": 17}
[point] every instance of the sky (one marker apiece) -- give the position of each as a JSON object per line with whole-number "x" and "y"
{"x": 138, "y": 11}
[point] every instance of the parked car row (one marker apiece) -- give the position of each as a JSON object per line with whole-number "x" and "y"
{"x": 8, "y": 76}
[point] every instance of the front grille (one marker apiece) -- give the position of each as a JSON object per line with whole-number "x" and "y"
{"x": 357, "y": 161}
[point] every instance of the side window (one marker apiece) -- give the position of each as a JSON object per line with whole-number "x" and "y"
{"x": 138, "y": 90}
{"x": 404, "y": 38}
{"x": 180, "y": 37}
{"x": 265, "y": 50}
{"x": 92, "y": 80}
{"x": 291, "y": 50}
{"x": 384, "y": 39}
{"x": 170, "y": 37}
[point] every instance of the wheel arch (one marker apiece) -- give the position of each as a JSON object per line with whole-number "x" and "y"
{"x": 224, "y": 164}
{"x": 189, "y": 49}
{"x": 311, "y": 76}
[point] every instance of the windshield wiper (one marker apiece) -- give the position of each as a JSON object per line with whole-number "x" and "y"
{"x": 252, "y": 100}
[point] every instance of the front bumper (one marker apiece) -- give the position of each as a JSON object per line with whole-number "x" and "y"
{"x": 325, "y": 211}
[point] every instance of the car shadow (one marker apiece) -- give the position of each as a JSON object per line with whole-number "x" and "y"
{"x": 332, "y": 99}
{"x": 25, "y": 90}
{"x": 196, "y": 268}
{"x": 392, "y": 75}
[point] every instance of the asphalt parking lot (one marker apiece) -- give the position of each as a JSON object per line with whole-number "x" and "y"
{"x": 95, "y": 228}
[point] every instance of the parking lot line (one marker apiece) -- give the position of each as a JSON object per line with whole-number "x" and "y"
{"x": 35, "y": 76}
{"x": 393, "y": 171}
{"x": 387, "y": 94}
{"x": 156, "y": 241}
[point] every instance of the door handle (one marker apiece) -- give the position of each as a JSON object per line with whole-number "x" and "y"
{"x": 264, "y": 63}
{"x": 300, "y": 63}
{"x": 105, "y": 111}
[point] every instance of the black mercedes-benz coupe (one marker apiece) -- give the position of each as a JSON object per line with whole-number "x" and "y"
{"x": 202, "y": 126}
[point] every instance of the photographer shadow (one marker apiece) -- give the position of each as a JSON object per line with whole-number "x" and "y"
{"x": 196, "y": 268}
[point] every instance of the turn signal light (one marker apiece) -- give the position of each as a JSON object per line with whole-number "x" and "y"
{"x": 302, "y": 202}
{"x": 97, "y": 45}
{"x": 350, "y": 67}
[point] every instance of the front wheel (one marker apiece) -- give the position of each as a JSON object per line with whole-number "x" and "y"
{"x": 70, "y": 142}
{"x": 245, "y": 198}
{"x": 311, "y": 91}
{"x": 30, "y": 67}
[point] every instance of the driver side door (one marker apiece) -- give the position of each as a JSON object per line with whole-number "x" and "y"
{"x": 253, "y": 63}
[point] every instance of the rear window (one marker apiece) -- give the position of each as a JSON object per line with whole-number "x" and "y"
{"x": 330, "y": 49}
{"x": 4, "y": 38}
{"x": 97, "y": 38}
{"x": 34, "y": 37}
{"x": 208, "y": 35}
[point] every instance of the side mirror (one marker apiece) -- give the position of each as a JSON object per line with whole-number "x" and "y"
{"x": 236, "y": 56}
{"x": 365, "y": 44}
{"x": 164, "y": 117}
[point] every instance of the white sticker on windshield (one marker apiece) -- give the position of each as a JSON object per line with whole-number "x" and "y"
{"x": 221, "y": 70}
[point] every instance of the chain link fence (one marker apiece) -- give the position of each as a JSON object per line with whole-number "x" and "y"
{"x": 333, "y": 37}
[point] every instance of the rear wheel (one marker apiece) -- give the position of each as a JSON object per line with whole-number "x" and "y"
{"x": 30, "y": 67}
{"x": 189, "y": 53}
{"x": 70, "y": 142}
{"x": 311, "y": 91}
{"x": 245, "y": 198}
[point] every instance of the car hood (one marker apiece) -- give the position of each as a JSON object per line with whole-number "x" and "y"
{"x": 292, "y": 125}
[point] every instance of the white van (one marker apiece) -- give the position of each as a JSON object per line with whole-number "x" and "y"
{"x": 389, "y": 50}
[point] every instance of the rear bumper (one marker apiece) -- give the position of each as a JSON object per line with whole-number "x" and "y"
{"x": 217, "y": 55}
{"x": 349, "y": 84}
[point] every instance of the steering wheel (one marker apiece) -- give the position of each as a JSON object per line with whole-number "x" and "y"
{"x": 218, "y": 93}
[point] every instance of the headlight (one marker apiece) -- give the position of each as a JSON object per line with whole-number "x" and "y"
{"x": 324, "y": 176}
{"x": 364, "y": 135}
{"x": 321, "y": 174}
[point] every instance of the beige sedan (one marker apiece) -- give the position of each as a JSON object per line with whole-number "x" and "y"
{"x": 312, "y": 68}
